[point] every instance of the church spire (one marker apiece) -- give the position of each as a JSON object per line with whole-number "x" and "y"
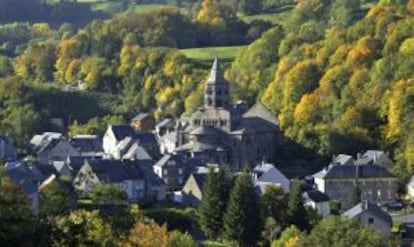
{"x": 216, "y": 92}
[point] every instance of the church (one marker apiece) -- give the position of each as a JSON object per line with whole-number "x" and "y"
{"x": 227, "y": 134}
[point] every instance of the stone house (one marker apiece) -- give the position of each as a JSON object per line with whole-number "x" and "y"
{"x": 119, "y": 139}
{"x": 266, "y": 174}
{"x": 127, "y": 175}
{"x": 370, "y": 215}
{"x": 318, "y": 201}
{"x": 51, "y": 146}
{"x": 143, "y": 122}
{"x": 340, "y": 182}
{"x": 173, "y": 169}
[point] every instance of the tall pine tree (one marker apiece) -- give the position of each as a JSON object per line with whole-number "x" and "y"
{"x": 296, "y": 212}
{"x": 213, "y": 206}
{"x": 242, "y": 220}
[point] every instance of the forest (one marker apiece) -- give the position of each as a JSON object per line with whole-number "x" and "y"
{"x": 337, "y": 74}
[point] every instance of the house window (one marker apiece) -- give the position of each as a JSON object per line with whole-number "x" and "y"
{"x": 370, "y": 220}
{"x": 180, "y": 171}
{"x": 165, "y": 172}
{"x": 379, "y": 193}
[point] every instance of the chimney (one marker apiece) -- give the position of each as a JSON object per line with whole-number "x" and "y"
{"x": 358, "y": 155}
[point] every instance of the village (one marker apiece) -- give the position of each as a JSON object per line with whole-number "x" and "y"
{"x": 170, "y": 160}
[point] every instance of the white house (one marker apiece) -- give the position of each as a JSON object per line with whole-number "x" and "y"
{"x": 318, "y": 201}
{"x": 267, "y": 174}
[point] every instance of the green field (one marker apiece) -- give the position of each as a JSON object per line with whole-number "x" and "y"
{"x": 208, "y": 53}
{"x": 278, "y": 17}
{"x": 143, "y": 8}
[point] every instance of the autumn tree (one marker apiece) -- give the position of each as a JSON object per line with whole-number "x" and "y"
{"x": 147, "y": 234}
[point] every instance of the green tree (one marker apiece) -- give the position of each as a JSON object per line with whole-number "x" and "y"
{"x": 213, "y": 206}
{"x": 17, "y": 221}
{"x": 107, "y": 194}
{"x": 296, "y": 212}
{"x": 56, "y": 199}
{"x": 82, "y": 228}
{"x": 290, "y": 237}
{"x": 20, "y": 120}
{"x": 241, "y": 220}
{"x": 179, "y": 239}
{"x": 340, "y": 232}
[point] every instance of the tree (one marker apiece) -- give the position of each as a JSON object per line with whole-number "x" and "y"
{"x": 20, "y": 120}
{"x": 82, "y": 228}
{"x": 107, "y": 194}
{"x": 55, "y": 199}
{"x": 17, "y": 220}
{"x": 340, "y": 232}
{"x": 242, "y": 220}
{"x": 179, "y": 239}
{"x": 213, "y": 206}
{"x": 296, "y": 212}
{"x": 290, "y": 237}
{"x": 274, "y": 203}
{"x": 148, "y": 234}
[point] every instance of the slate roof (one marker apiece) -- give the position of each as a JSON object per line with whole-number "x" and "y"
{"x": 200, "y": 179}
{"x": 204, "y": 130}
{"x": 260, "y": 111}
{"x": 316, "y": 196}
{"x": 163, "y": 123}
{"x": 367, "y": 206}
{"x": 145, "y": 137}
{"x": 350, "y": 171}
{"x": 199, "y": 147}
{"x": 369, "y": 157}
{"x": 343, "y": 159}
{"x": 140, "y": 116}
{"x": 115, "y": 171}
{"x": 216, "y": 75}
{"x": 76, "y": 162}
{"x": 167, "y": 157}
{"x": 87, "y": 143}
{"x": 122, "y": 131}
{"x": 137, "y": 152}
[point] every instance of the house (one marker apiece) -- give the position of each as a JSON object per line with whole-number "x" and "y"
{"x": 168, "y": 142}
{"x": 192, "y": 191}
{"x": 119, "y": 139}
{"x": 143, "y": 122}
{"x": 128, "y": 175}
{"x": 87, "y": 145}
{"x": 227, "y": 134}
{"x": 156, "y": 188}
{"x": 7, "y": 151}
{"x": 265, "y": 174}
{"x": 164, "y": 127}
{"x": 173, "y": 169}
{"x": 51, "y": 146}
{"x": 378, "y": 157}
{"x": 30, "y": 177}
{"x": 343, "y": 159}
{"x": 318, "y": 201}
{"x": 340, "y": 182}
{"x": 370, "y": 215}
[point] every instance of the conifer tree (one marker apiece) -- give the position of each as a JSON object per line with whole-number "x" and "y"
{"x": 241, "y": 220}
{"x": 213, "y": 206}
{"x": 296, "y": 212}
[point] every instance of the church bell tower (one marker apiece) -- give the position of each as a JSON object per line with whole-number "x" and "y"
{"x": 216, "y": 92}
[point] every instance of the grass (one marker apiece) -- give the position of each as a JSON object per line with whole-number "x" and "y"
{"x": 142, "y": 8}
{"x": 209, "y": 243}
{"x": 278, "y": 17}
{"x": 208, "y": 53}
